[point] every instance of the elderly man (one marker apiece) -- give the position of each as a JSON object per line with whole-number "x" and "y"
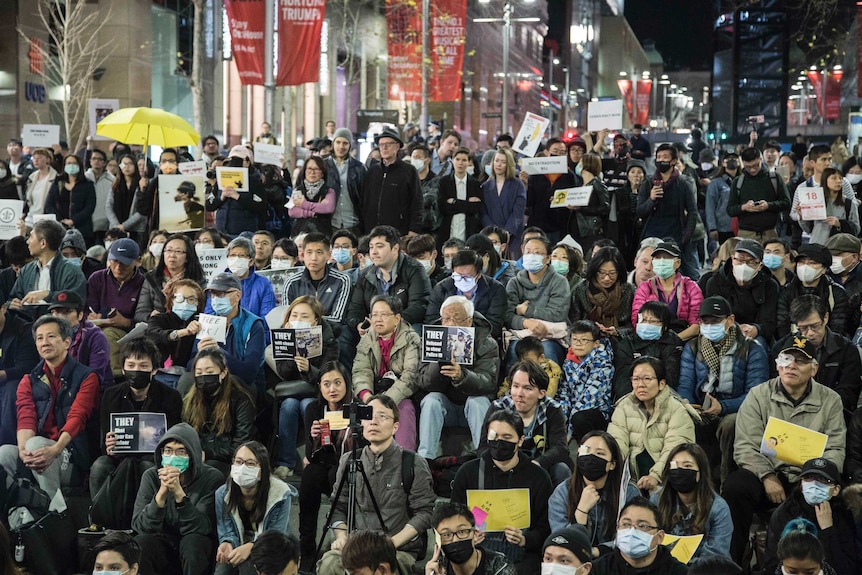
{"x": 643, "y": 262}
{"x": 258, "y": 295}
{"x": 761, "y": 482}
{"x": 458, "y": 395}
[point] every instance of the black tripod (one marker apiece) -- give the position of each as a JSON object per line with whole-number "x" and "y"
{"x": 354, "y": 467}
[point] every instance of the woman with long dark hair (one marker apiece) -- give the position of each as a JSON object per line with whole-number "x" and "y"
{"x": 841, "y": 215}
{"x": 604, "y": 297}
{"x": 586, "y": 224}
{"x": 250, "y": 502}
{"x": 72, "y": 198}
{"x": 492, "y": 265}
{"x": 120, "y": 208}
{"x": 569, "y": 263}
{"x": 177, "y": 261}
{"x": 591, "y": 496}
{"x": 313, "y": 201}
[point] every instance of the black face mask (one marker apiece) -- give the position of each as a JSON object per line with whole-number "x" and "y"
{"x": 208, "y": 384}
{"x": 458, "y": 552}
{"x": 732, "y": 165}
{"x": 592, "y": 466}
{"x": 663, "y": 167}
{"x": 683, "y": 480}
{"x": 138, "y": 379}
{"x": 501, "y": 450}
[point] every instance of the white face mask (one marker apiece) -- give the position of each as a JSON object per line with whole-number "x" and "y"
{"x": 743, "y": 273}
{"x": 281, "y": 264}
{"x": 854, "y": 178}
{"x": 471, "y": 170}
{"x": 418, "y": 164}
{"x": 837, "y": 266}
{"x": 244, "y": 476}
{"x": 3, "y": 173}
{"x": 238, "y": 266}
{"x": 156, "y": 249}
{"x": 557, "y": 569}
{"x": 299, "y": 324}
{"x": 806, "y": 273}
{"x": 426, "y": 265}
{"x": 108, "y": 244}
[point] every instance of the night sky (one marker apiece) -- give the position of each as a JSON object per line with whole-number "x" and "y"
{"x": 684, "y": 38}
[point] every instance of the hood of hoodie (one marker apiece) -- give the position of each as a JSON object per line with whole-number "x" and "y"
{"x": 523, "y": 278}
{"x": 185, "y": 434}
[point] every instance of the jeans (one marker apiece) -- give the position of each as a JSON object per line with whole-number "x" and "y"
{"x": 438, "y": 411}
{"x": 57, "y": 474}
{"x": 290, "y": 416}
{"x": 405, "y": 436}
{"x": 162, "y": 554}
{"x": 690, "y": 266}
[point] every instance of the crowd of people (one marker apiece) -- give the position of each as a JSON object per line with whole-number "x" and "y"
{"x": 625, "y": 357}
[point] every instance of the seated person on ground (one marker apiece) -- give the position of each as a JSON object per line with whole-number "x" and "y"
{"x": 18, "y": 356}
{"x": 89, "y": 344}
{"x": 456, "y": 526}
{"x": 585, "y": 392}
{"x": 531, "y": 348}
{"x": 275, "y": 553}
{"x": 568, "y": 547}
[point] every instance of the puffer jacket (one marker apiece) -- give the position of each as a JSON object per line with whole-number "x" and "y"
{"x": 627, "y": 348}
{"x": 581, "y": 306}
{"x": 755, "y": 304}
{"x": 403, "y": 362}
{"x": 820, "y": 410}
{"x": 688, "y": 297}
{"x": 827, "y": 290}
{"x": 229, "y": 525}
{"x": 549, "y": 299}
{"x": 743, "y": 366}
{"x": 258, "y": 295}
{"x": 671, "y": 424}
{"x": 588, "y": 384}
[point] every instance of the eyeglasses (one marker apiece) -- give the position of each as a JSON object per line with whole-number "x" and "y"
{"x": 174, "y": 252}
{"x": 582, "y": 340}
{"x": 460, "y": 535}
{"x": 458, "y": 277}
{"x": 181, "y": 452}
{"x": 382, "y": 315}
{"x": 809, "y": 327}
{"x": 180, "y": 298}
{"x": 610, "y": 275}
{"x": 647, "y": 379}
{"x": 216, "y": 293}
{"x": 747, "y": 261}
{"x": 387, "y": 144}
{"x": 312, "y": 169}
{"x": 640, "y": 526}
{"x": 382, "y": 417}
{"x": 650, "y": 321}
{"x": 246, "y": 462}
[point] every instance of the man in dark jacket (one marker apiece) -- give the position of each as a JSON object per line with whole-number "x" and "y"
{"x": 458, "y": 395}
{"x": 667, "y": 203}
{"x": 175, "y": 509}
{"x": 137, "y": 393}
{"x": 345, "y": 175}
{"x": 812, "y": 263}
{"x": 757, "y": 197}
{"x": 487, "y": 295}
{"x": 330, "y": 286}
{"x": 455, "y": 524}
{"x": 540, "y": 190}
{"x": 237, "y": 212}
{"x": 840, "y": 367}
{"x": 391, "y": 191}
{"x": 393, "y": 273}
{"x": 18, "y": 356}
{"x": 845, "y": 270}
{"x": 638, "y": 531}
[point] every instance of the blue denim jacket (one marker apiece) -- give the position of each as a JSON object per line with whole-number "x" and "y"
{"x": 276, "y": 517}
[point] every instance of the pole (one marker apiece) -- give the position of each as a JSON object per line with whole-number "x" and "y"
{"x": 268, "y": 77}
{"x": 551, "y": 91}
{"x": 426, "y": 17}
{"x": 565, "y": 102}
{"x": 507, "y": 25}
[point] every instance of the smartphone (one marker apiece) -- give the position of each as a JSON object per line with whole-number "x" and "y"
{"x": 365, "y": 324}
{"x": 707, "y": 402}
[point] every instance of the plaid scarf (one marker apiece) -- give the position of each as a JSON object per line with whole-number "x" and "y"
{"x": 712, "y": 352}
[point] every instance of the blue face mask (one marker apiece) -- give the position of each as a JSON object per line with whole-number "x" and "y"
{"x": 633, "y": 543}
{"x": 221, "y": 305}
{"x": 663, "y": 268}
{"x": 815, "y": 492}
{"x": 773, "y": 261}
{"x": 578, "y": 169}
{"x": 465, "y": 284}
{"x": 341, "y": 255}
{"x": 560, "y": 266}
{"x": 648, "y": 332}
{"x": 488, "y": 170}
{"x": 533, "y": 262}
{"x": 74, "y": 261}
{"x": 184, "y": 310}
{"x": 181, "y": 463}
{"x": 110, "y": 572}
{"x": 714, "y": 332}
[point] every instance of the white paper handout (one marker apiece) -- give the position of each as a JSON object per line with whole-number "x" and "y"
{"x": 812, "y": 203}
{"x": 214, "y": 326}
{"x": 269, "y": 154}
{"x": 576, "y": 197}
{"x": 10, "y": 214}
{"x": 40, "y": 135}
{"x": 196, "y": 168}
{"x": 542, "y": 165}
{"x": 605, "y": 114}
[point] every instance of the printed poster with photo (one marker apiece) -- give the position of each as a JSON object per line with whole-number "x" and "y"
{"x": 99, "y": 109}
{"x": 138, "y": 432}
{"x": 447, "y": 344}
{"x": 180, "y": 202}
{"x": 288, "y": 343}
{"x": 278, "y": 279}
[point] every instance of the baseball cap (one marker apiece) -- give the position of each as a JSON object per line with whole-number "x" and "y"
{"x": 842, "y": 243}
{"x": 574, "y": 538}
{"x": 240, "y": 151}
{"x": 753, "y": 249}
{"x": 125, "y": 251}
{"x": 822, "y": 467}
{"x": 66, "y": 300}
{"x": 820, "y": 254}
{"x": 668, "y": 248}
{"x": 224, "y": 281}
{"x": 715, "y": 306}
{"x": 801, "y": 345}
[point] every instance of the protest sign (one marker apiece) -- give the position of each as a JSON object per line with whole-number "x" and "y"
{"x": 579, "y": 197}
{"x": 99, "y": 109}
{"x": 213, "y": 261}
{"x": 196, "y": 168}
{"x": 791, "y": 443}
{"x": 268, "y": 154}
{"x": 682, "y": 547}
{"x": 40, "y": 135}
{"x": 278, "y": 279}
{"x": 530, "y": 135}
{"x": 236, "y": 178}
{"x": 505, "y": 507}
{"x": 605, "y": 115}
{"x": 287, "y": 343}
{"x": 214, "y": 326}
{"x": 180, "y": 207}
{"x": 447, "y": 344}
{"x": 10, "y": 214}
{"x": 812, "y": 203}
{"x": 541, "y": 165}
{"x": 138, "y": 432}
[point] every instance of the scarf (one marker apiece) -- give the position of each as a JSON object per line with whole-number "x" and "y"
{"x": 312, "y": 190}
{"x": 606, "y": 304}
{"x": 657, "y": 181}
{"x": 712, "y": 353}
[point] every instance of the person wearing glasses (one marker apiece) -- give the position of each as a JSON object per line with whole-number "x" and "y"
{"x": 639, "y": 546}
{"x": 251, "y": 501}
{"x": 459, "y": 548}
{"x": 816, "y": 499}
{"x": 762, "y": 482}
{"x": 605, "y": 297}
{"x": 174, "y": 507}
{"x": 147, "y": 203}
{"x": 650, "y": 422}
{"x": 174, "y": 330}
{"x": 177, "y": 261}
{"x": 398, "y": 203}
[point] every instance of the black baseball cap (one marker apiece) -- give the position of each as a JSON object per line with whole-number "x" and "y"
{"x": 822, "y": 467}
{"x": 801, "y": 345}
{"x": 668, "y": 248}
{"x": 715, "y": 306}
{"x": 819, "y": 253}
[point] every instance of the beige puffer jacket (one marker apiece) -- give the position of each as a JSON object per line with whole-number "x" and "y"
{"x": 404, "y": 363}
{"x": 671, "y": 424}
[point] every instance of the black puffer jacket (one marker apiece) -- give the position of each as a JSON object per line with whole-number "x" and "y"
{"x": 827, "y": 290}
{"x": 630, "y": 347}
{"x": 754, "y": 304}
{"x": 411, "y": 286}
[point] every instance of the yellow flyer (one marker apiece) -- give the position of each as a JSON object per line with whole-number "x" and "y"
{"x": 337, "y": 422}
{"x": 791, "y": 443}
{"x": 236, "y": 178}
{"x": 505, "y": 507}
{"x": 683, "y": 548}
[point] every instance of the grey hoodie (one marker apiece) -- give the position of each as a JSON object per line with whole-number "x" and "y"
{"x": 549, "y": 299}
{"x": 197, "y": 515}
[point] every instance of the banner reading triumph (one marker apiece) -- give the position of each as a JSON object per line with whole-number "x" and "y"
{"x": 246, "y": 19}
{"x": 299, "y": 27}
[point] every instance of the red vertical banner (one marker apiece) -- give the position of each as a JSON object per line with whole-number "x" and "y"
{"x": 404, "y": 35}
{"x": 448, "y": 34}
{"x": 299, "y": 26}
{"x": 642, "y": 104}
{"x": 833, "y": 94}
{"x": 246, "y": 21}
{"x": 628, "y": 96}
{"x": 815, "y": 79}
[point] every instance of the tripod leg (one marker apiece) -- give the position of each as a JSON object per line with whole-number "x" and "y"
{"x": 329, "y": 516}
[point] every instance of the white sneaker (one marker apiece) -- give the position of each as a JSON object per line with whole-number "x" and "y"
{"x": 283, "y": 472}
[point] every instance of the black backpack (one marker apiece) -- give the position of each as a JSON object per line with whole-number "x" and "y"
{"x": 407, "y": 476}
{"x": 431, "y": 215}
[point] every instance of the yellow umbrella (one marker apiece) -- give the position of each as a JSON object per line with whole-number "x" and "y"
{"x": 148, "y": 126}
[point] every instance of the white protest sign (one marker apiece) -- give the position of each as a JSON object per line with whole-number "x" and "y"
{"x": 542, "y": 165}
{"x": 99, "y": 109}
{"x": 214, "y": 326}
{"x": 212, "y": 261}
{"x": 607, "y": 114}
{"x": 10, "y": 213}
{"x": 530, "y": 135}
{"x": 268, "y": 154}
{"x": 812, "y": 202}
{"x": 40, "y": 135}
{"x": 196, "y": 168}
{"x": 578, "y": 197}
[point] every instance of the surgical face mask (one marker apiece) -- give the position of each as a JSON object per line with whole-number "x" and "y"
{"x": 156, "y": 249}
{"x": 533, "y": 262}
{"x": 3, "y": 173}
{"x": 238, "y": 266}
{"x": 209, "y": 384}
{"x": 111, "y": 572}
{"x": 578, "y": 169}
{"x": 852, "y": 178}
{"x": 138, "y": 379}
{"x": 498, "y": 248}
{"x": 221, "y": 305}
{"x": 705, "y": 166}
{"x": 341, "y": 255}
{"x": 464, "y": 284}
{"x": 743, "y": 272}
{"x": 418, "y": 164}
{"x": 732, "y": 165}
{"x": 181, "y": 463}
{"x": 773, "y": 261}
{"x": 368, "y": 262}
{"x": 245, "y": 476}
{"x": 557, "y": 569}
{"x": 714, "y": 332}
{"x": 74, "y": 261}
{"x": 488, "y": 170}
{"x": 203, "y": 247}
{"x": 279, "y": 264}
{"x": 815, "y": 492}
{"x": 633, "y": 543}
{"x": 560, "y": 266}
{"x": 184, "y": 310}
{"x": 426, "y": 265}
{"x": 806, "y": 273}
{"x": 663, "y": 167}
{"x": 470, "y": 170}
{"x": 648, "y": 332}
{"x": 837, "y": 266}
{"x": 683, "y": 480}
{"x": 501, "y": 450}
{"x": 299, "y": 324}
{"x": 72, "y": 169}
{"x": 663, "y": 268}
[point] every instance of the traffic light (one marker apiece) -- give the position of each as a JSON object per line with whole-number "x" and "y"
{"x": 724, "y": 135}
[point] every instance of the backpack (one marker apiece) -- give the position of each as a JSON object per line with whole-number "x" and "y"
{"x": 773, "y": 178}
{"x": 431, "y": 215}
{"x": 408, "y": 474}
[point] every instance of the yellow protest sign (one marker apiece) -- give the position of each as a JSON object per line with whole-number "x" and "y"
{"x": 791, "y": 443}
{"x": 236, "y": 178}
{"x": 505, "y": 507}
{"x": 337, "y": 421}
{"x": 683, "y": 548}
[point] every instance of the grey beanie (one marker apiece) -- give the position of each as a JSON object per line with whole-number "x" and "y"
{"x": 74, "y": 239}
{"x": 343, "y": 133}
{"x": 635, "y": 163}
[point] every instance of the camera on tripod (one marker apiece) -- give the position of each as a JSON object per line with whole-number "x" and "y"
{"x": 356, "y": 412}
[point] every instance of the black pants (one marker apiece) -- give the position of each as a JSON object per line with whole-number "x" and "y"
{"x": 317, "y": 479}
{"x": 190, "y": 554}
{"x": 745, "y": 495}
{"x": 585, "y": 421}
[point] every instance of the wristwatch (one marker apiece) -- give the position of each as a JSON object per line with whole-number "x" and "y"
{"x": 174, "y": 335}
